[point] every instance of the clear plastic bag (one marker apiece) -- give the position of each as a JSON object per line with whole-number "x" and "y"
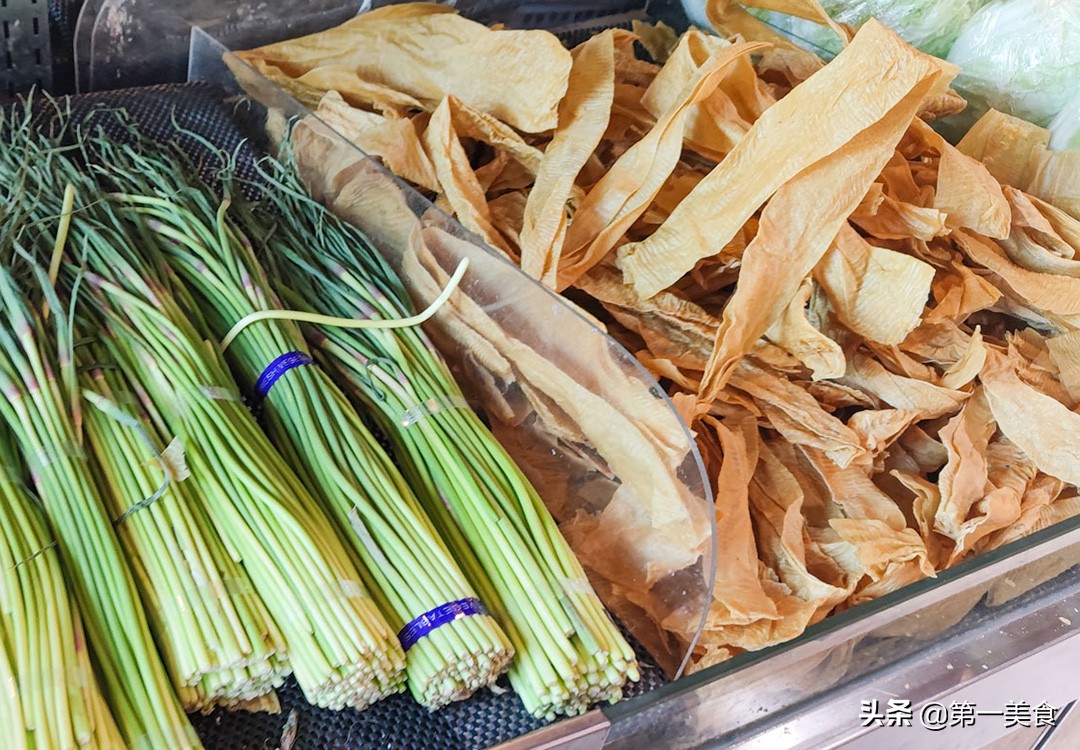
{"x": 1021, "y": 57}
{"x": 1065, "y": 129}
{"x": 929, "y": 25}
{"x": 123, "y": 43}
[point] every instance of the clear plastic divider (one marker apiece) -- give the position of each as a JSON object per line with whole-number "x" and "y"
{"x": 592, "y": 429}
{"x": 126, "y": 43}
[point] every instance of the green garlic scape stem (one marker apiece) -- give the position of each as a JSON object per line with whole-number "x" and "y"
{"x": 43, "y": 421}
{"x": 51, "y": 697}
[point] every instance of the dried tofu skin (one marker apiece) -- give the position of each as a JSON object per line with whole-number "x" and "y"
{"x": 584, "y": 115}
{"x": 392, "y": 139}
{"x": 798, "y": 416}
{"x": 1049, "y": 292}
{"x": 451, "y": 123}
{"x": 730, "y": 17}
{"x": 739, "y": 594}
{"x": 876, "y": 292}
{"x": 870, "y": 376}
{"x": 892, "y": 219}
{"x": 967, "y": 192}
{"x": 1043, "y": 428}
{"x": 878, "y": 429}
{"x": 1057, "y": 180}
{"x": 871, "y": 333}
{"x": 794, "y": 333}
{"x": 778, "y": 147}
{"x": 670, "y": 327}
{"x": 625, "y": 191}
{"x": 1036, "y": 518}
{"x": 1009, "y": 476}
{"x": 658, "y": 39}
{"x": 782, "y": 69}
{"x": 960, "y": 292}
{"x": 429, "y": 54}
{"x": 776, "y": 500}
{"x": 351, "y": 185}
{"x": 1007, "y": 146}
{"x": 308, "y": 95}
{"x": 795, "y": 232}
{"x": 1034, "y": 242}
{"x": 1016, "y": 152}
{"x": 508, "y": 215}
{"x": 1064, "y": 351}
{"x": 810, "y": 10}
{"x": 963, "y": 479}
{"x": 715, "y": 124}
{"x": 964, "y": 370}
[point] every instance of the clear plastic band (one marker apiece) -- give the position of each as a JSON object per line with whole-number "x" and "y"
{"x": 184, "y": 399}
{"x": 173, "y": 461}
{"x": 218, "y": 393}
{"x": 36, "y": 555}
{"x": 51, "y": 454}
{"x": 367, "y": 540}
{"x": 576, "y": 585}
{"x": 352, "y": 589}
{"x": 144, "y": 503}
{"x": 173, "y": 464}
{"x": 433, "y": 619}
{"x": 431, "y": 406}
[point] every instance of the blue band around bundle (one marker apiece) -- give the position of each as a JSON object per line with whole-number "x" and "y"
{"x": 444, "y": 614}
{"x": 273, "y": 373}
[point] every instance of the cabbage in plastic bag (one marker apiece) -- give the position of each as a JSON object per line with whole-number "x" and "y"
{"x": 929, "y": 25}
{"x": 1065, "y": 129}
{"x": 1021, "y": 57}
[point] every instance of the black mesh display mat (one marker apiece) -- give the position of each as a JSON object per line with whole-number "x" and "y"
{"x": 206, "y": 125}
{"x": 396, "y": 723}
{"x": 63, "y": 15}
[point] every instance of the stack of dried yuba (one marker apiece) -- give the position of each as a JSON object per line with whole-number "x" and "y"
{"x": 51, "y": 696}
{"x": 872, "y": 333}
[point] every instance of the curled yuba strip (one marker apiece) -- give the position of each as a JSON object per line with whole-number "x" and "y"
{"x": 583, "y": 117}
{"x": 429, "y": 54}
{"x": 624, "y": 193}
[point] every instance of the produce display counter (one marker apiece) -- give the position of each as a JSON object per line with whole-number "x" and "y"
{"x": 982, "y": 656}
{"x": 998, "y": 630}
